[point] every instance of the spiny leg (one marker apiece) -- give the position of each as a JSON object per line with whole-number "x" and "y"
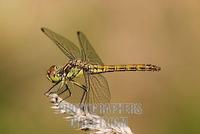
{"x": 87, "y": 80}
{"x": 66, "y": 89}
{"x": 60, "y": 87}
{"x": 85, "y": 91}
{"x": 50, "y": 89}
{"x": 82, "y": 99}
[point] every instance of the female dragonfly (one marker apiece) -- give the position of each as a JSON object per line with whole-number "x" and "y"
{"x": 86, "y": 62}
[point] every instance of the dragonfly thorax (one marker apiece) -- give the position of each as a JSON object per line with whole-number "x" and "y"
{"x": 74, "y": 68}
{"x": 55, "y": 73}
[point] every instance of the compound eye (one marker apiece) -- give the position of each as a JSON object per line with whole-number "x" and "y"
{"x": 57, "y": 67}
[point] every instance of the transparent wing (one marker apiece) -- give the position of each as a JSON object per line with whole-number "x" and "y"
{"x": 98, "y": 89}
{"x": 87, "y": 51}
{"x": 96, "y": 83}
{"x": 66, "y": 46}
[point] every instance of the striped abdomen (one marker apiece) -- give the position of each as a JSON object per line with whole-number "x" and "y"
{"x": 116, "y": 68}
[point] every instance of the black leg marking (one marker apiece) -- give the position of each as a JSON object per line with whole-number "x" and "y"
{"x": 82, "y": 87}
{"x": 60, "y": 87}
{"x": 66, "y": 89}
{"x": 51, "y": 89}
{"x": 83, "y": 100}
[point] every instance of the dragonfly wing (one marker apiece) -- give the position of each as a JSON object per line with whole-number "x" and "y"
{"x": 98, "y": 89}
{"x": 87, "y": 51}
{"x": 65, "y": 45}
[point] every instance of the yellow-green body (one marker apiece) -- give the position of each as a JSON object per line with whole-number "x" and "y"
{"x": 116, "y": 68}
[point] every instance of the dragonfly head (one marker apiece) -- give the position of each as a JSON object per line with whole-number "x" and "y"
{"x": 55, "y": 73}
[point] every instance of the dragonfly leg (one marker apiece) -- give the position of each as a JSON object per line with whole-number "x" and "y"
{"x": 83, "y": 99}
{"x": 47, "y": 92}
{"x": 66, "y": 89}
{"x": 85, "y": 91}
{"x": 60, "y": 87}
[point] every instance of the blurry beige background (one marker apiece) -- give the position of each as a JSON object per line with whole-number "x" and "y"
{"x": 129, "y": 31}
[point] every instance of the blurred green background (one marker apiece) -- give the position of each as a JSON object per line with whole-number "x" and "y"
{"x": 160, "y": 32}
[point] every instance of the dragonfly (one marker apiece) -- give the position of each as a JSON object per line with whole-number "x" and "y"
{"x": 85, "y": 62}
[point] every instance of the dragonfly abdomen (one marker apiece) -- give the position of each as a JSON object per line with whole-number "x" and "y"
{"x": 117, "y": 68}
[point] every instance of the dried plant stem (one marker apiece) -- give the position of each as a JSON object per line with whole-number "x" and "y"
{"x": 94, "y": 124}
